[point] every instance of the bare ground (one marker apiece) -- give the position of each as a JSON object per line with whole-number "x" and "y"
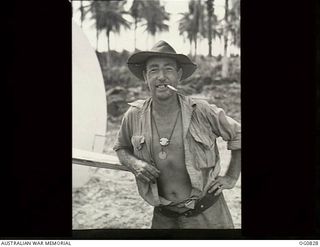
{"x": 110, "y": 199}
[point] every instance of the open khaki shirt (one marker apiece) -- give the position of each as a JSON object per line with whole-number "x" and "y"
{"x": 202, "y": 124}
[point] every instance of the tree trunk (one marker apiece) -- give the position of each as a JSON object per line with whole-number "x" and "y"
{"x": 225, "y": 67}
{"x": 210, "y": 12}
{"x": 108, "y": 40}
{"x": 81, "y": 13}
{"x": 97, "y": 40}
{"x": 109, "y": 55}
{"x": 135, "y": 33}
{"x": 226, "y": 15}
{"x": 195, "y": 47}
{"x": 153, "y": 39}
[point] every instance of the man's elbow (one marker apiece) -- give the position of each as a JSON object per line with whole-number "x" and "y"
{"x": 120, "y": 152}
{"x": 123, "y": 153}
{"x": 236, "y": 154}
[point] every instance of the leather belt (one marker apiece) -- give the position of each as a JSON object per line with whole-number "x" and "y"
{"x": 201, "y": 205}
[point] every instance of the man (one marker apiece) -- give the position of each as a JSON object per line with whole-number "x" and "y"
{"x": 169, "y": 143}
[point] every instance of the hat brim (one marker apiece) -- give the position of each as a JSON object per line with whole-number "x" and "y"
{"x": 136, "y": 63}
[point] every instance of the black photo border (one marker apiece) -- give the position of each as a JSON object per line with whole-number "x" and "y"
{"x": 280, "y": 170}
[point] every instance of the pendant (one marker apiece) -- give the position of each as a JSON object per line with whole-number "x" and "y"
{"x": 164, "y": 141}
{"x": 163, "y": 155}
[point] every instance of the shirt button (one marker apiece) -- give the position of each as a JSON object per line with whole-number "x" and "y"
{"x": 201, "y": 206}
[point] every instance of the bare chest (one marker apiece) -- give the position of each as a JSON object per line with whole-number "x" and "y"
{"x": 174, "y": 182}
{"x": 167, "y": 141}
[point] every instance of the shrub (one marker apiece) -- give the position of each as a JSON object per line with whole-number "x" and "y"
{"x": 224, "y": 92}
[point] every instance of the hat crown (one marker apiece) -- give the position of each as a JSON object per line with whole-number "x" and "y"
{"x": 136, "y": 62}
{"x": 164, "y": 47}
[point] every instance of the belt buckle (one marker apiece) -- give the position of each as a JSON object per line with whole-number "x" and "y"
{"x": 190, "y": 204}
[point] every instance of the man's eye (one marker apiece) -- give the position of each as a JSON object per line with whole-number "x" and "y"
{"x": 169, "y": 69}
{"x": 153, "y": 70}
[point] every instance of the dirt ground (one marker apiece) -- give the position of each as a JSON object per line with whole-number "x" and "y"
{"x": 110, "y": 199}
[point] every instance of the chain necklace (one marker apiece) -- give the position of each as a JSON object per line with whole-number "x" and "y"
{"x": 163, "y": 140}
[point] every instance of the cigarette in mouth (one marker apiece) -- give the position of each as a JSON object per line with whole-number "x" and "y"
{"x": 172, "y": 88}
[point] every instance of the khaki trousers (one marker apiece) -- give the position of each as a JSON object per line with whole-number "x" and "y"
{"x": 216, "y": 217}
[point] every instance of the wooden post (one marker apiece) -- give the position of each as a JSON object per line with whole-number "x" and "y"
{"x": 86, "y": 158}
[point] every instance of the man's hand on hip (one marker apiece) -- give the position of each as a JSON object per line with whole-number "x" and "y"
{"x": 230, "y": 179}
{"x": 221, "y": 183}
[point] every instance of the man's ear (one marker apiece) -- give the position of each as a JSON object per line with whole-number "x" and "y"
{"x": 144, "y": 75}
{"x": 180, "y": 73}
{"x": 145, "y": 78}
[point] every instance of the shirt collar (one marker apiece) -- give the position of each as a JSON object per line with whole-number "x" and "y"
{"x": 186, "y": 102}
{"x": 187, "y": 105}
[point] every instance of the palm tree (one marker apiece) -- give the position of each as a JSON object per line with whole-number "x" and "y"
{"x": 198, "y": 27}
{"x": 210, "y": 11}
{"x": 113, "y": 19}
{"x": 225, "y": 65}
{"x": 136, "y": 11}
{"x": 108, "y": 17}
{"x": 234, "y": 23}
{"x": 185, "y": 24}
{"x": 155, "y": 16}
{"x": 192, "y": 23}
{"x": 97, "y": 15}
{"x": 226, "y": 31}
{"x": 81, "y": 8}
{"x": 212, "y": 28}
{"x": 232, "y": 26}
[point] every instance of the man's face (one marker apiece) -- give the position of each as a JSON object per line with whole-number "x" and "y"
{"x": 162, "y": 71}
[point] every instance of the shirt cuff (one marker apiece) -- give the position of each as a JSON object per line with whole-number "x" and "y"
{"x": 118, "y": 147}
{"x": 234, "y": 145}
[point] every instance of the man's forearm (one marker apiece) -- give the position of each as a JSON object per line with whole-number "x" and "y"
{"x": 235, "y": 165}
{"x": 141, "y": 169}
{"x": 127, "y": 159}
{"x": 232, "y": 175}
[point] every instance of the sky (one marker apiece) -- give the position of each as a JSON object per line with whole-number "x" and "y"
{"x": 125, "y": 40}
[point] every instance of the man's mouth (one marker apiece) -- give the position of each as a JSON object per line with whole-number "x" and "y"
{"x": 161, "y": 86}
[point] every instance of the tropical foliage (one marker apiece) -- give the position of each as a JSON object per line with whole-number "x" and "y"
{"x": 155, "y": 16}
{"x": 231, "y": 30}
{"x": 192, "y": 23}
{"x": 152, "y": 16}
{"x": 137, "y": 13}
{"x": 199, "y": 23}
{"x": 108, "y": 16}
{"x": 210, "y": 11}
{"x": 234, "y": 23}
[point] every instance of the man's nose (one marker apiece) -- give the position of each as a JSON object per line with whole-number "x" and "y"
{"x": 161, "y": 75}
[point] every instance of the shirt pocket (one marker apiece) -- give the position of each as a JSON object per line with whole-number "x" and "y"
{"x": 139, "y": 146}
{"x": 203, "y": 146}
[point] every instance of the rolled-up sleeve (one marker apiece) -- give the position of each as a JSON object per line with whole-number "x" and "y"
{"x": 123, "y": 140}
{"x": 224, "y": 126}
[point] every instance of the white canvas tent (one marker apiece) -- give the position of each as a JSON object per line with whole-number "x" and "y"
{"x": 89, "y": 106}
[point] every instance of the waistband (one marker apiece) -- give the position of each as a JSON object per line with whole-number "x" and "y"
{"x": 200, "y": 205}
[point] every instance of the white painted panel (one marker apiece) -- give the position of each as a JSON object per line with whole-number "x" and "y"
{"x": 89, "y": 107}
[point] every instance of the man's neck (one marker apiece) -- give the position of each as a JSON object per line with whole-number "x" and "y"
{"x": 165, "y": 107}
